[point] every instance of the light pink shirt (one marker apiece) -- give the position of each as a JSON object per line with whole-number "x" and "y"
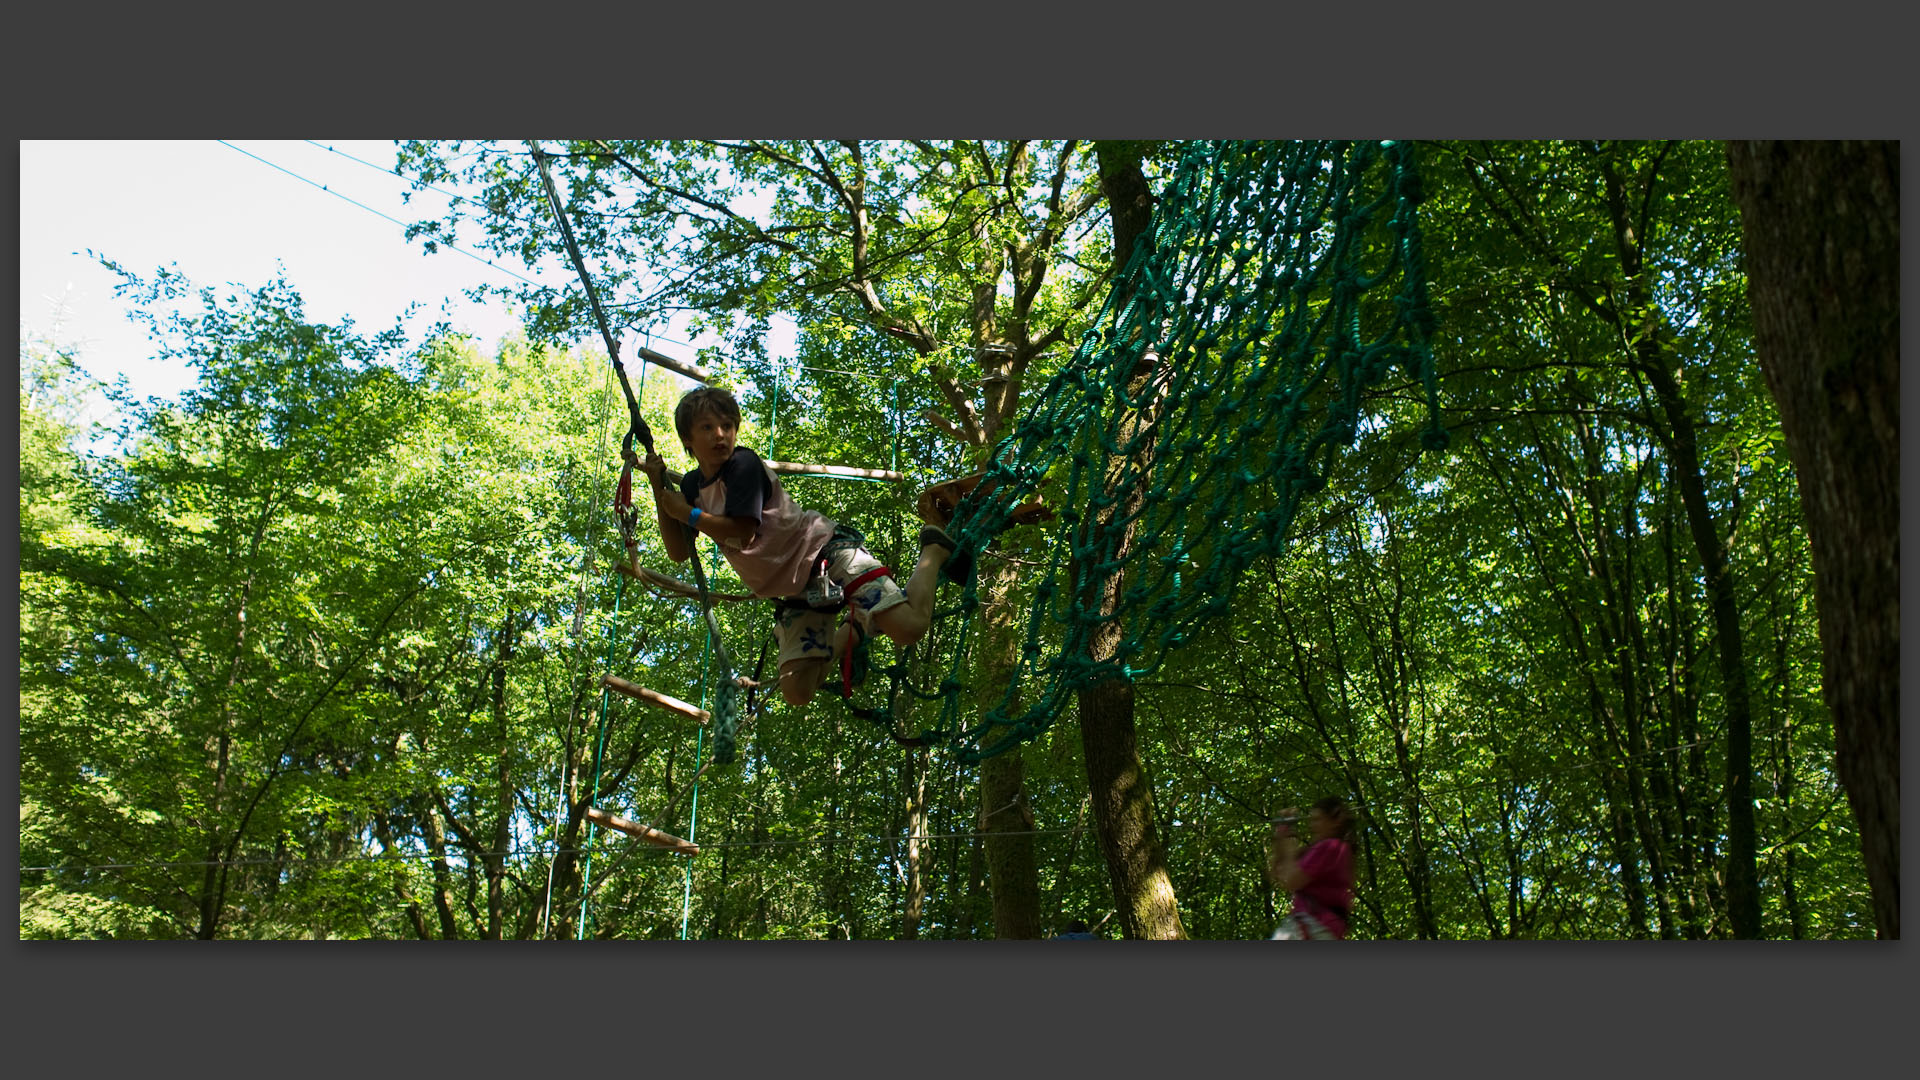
{"x": 778, "y": 559}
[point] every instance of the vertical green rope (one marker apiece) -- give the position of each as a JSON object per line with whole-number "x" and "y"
{"x": 693, "y": 819}
{"x": 599, "y": 748}
{"x": 693, "y": 814}
{"x": 600, "y": 739}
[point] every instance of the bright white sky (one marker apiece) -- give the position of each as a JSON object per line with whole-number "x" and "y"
{"x": 223, "y": 216}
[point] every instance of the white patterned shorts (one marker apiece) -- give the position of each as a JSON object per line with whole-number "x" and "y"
{"x": 805, "y": 634}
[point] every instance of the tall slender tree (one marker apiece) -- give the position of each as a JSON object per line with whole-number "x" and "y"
{"x": 1822, "y": 223}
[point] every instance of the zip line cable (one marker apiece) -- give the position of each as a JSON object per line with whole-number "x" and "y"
{"x": 422, "y": 186}
{"x": 638, "y": 427}
{"x": 371, "y": 210}
{"x": 418, "y": 185}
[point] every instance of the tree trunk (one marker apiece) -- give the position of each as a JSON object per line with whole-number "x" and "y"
{"x": 442, "y": 873}
{"x": 921, "y": 767}
{"x": 1122, "y": 801}
{"x": 963, "y": 920}
{"x": 1006, "y": 817}
{"x": 1743, "y": 894}
{"x": 495, "y": 859}
{"x": 1128, "y": 197}
{"x": 1008, "y": 822}
{"x": 1122, "y": 798}
{"x": 1646, "y": 328}
{"x": 1123, "y": 815}
{"x": 1823, "y": 264}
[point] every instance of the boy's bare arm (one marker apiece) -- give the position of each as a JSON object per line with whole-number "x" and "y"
{"x": 675, "y": 513}
{"x": 670, "y": 507}
{"x": 673, "y": 530}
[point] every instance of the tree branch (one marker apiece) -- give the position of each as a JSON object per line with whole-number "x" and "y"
{"x": 752, "y": 226}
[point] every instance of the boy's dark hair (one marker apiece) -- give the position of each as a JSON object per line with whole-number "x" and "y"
{"x": 704, "y": 399}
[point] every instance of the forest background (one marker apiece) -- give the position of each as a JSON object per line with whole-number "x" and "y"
{"x": 314, "y": 652}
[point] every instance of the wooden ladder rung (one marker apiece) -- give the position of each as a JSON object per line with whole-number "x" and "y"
{"x": 643, "y": 832}
{"x": 655, "y": 698}
{"x": 675, "y": 585}
{"x": 794, "y": 468}
{"x": 691, "y": 371}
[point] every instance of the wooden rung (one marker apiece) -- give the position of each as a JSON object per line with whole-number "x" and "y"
{"x": 691, "y": 371}
{"x": 654, "y": 697}
{"x": 793, "y": 468}
{"x": 643, "y": 832}
{"x": 675, "y": 585}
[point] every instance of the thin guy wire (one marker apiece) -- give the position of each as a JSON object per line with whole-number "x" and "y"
{"x": 371, "y": 210}
{"x": 423, "y": 186}
{"x": 418, "y": 185}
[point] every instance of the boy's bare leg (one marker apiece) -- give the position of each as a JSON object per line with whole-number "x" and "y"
{"x": 905, "y": 623}
{"x": 925, "y": 581}
{"x": 800, "y": 678}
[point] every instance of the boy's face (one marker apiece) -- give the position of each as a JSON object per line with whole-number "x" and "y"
{"x": 710, "y": 440}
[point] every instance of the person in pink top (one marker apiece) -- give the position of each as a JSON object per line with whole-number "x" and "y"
{"x": 1320, "y": 876}
{"x": 782, "y": 550}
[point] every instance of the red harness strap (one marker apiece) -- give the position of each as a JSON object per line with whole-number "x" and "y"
{"x": 846, "y": 658}
{"x": 854, "y": 586}
{"x": 623, "y": 496}
{"x": 623, "y": 507}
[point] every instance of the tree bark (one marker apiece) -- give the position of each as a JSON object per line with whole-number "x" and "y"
{"x": 920, "y": 767}
{"x": 1007, "y": 821}
{"x": 1823, "y": 276}
{"x": 495, "y": 858}
{"x": 1122, "y": 800}
{"x": 1006, "y": 817}
{"x": 1123, "y": 815}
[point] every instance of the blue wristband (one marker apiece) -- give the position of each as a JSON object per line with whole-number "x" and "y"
{"x": 693, "y": 520}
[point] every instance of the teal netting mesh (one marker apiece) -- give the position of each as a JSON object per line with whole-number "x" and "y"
{"x": 1224, "y": 373}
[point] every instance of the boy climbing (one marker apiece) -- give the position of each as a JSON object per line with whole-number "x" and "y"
{"x": 808, "y": 564}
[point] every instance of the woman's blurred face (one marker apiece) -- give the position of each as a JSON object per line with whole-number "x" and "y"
{"x": 1320, "y": 823}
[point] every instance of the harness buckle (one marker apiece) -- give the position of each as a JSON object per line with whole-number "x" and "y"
{"x": 823, "y": 593}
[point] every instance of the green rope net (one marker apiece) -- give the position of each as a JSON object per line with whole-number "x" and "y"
{"x": 1223, "y": 375}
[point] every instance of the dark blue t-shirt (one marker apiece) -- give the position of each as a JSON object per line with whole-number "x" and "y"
{"x": 745, "y": 485}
